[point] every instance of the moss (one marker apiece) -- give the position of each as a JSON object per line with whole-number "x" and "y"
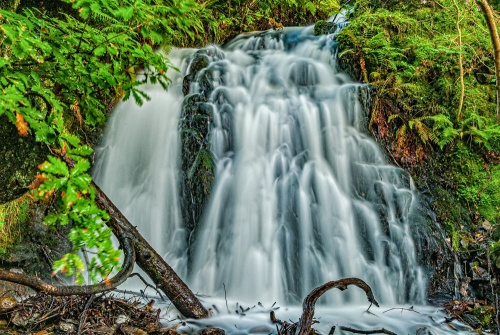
{"x": 402, "y": 48}
{"x": 323, "y": 27}
{"x": 14, "y": 219}
{"x": 477, "y": 183}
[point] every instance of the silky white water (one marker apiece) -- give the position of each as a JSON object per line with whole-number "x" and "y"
{"x": 302, "y": 195}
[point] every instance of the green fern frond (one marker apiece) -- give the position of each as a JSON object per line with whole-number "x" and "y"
{"x": 447, "y": 136}
{"x": 115, "y": 28}
{"x": 103, "y": 17}
{"x": 310, "y": 7}
{"x": 423, "y": 131}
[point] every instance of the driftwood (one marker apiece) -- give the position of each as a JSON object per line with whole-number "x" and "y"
{"x": 304, "y": 326}
{"x": 306, "y": 319}
{"x": 136, "y": 250}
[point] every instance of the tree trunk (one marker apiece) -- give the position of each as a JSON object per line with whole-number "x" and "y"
{"x": 495, "y": 40}
{"x": 153, "y": 264}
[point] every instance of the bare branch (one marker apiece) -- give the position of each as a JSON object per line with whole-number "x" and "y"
{"x": 39, "y": 285}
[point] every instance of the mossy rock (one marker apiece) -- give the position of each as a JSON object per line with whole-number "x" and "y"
{"x": 20, "y": 159}
{"x": 323, "y": 27}
{"x": 198, "y": 62}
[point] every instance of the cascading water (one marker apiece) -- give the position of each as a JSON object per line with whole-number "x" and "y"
{"x": 136, "y": 165}
{"x": 301, "y": 195}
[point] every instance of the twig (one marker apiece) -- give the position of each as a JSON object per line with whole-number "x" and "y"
{"x": 274, "y": 319}
{"x": 136, "y": 294}
{"x": 402, "y": 309}
{"x": 225, "y": 297}
{"x": 374, "y": 331}
{"x": 83, "y": 317}
{"x": 51, "y": 262}
{"x": 147, "y": 284}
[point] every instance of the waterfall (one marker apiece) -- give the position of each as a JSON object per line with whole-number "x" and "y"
{"x": 302, "y": 194}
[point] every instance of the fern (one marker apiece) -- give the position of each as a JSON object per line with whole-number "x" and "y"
{"x": 310, "y": 7}
{"x": 103, "y": 17}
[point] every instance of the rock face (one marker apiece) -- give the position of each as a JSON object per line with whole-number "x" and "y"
{"x": 197, "y": 168}
{"x": 38, "y": 243}
{"x": 20, "y": 158}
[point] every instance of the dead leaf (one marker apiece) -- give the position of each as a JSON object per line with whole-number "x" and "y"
{"x": 22, "y": 125}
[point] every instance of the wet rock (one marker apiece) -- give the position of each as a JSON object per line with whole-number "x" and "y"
{"x": 479, "y": 273}
{"x": 22, "y": 320}
{"x": 261, "y": 330}
{"x": 20, "y": 159}
{"x": 472, "y": 320}
{"x": 186, "y": 83}
{"x": 197, "y": 166}
{"x": 122, "y": 318}
{"x": 67, "y": 327}
{"x": 199, "y": 61}
{"x": 38, "y": 246}
{"x": 7, "y": 304}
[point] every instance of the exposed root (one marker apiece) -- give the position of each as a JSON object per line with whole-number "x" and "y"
{"x": 304, "y": 326}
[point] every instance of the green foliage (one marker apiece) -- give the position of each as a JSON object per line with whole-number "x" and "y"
{"x": 413, "y": 63}
{"x": 414, "y": 54}
{"x": 60, "y": 74}
{"x": 250, "y": 15}
{"x": 477, "y": 184}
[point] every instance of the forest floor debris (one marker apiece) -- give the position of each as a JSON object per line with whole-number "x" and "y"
{"x": 43, "y": 314}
